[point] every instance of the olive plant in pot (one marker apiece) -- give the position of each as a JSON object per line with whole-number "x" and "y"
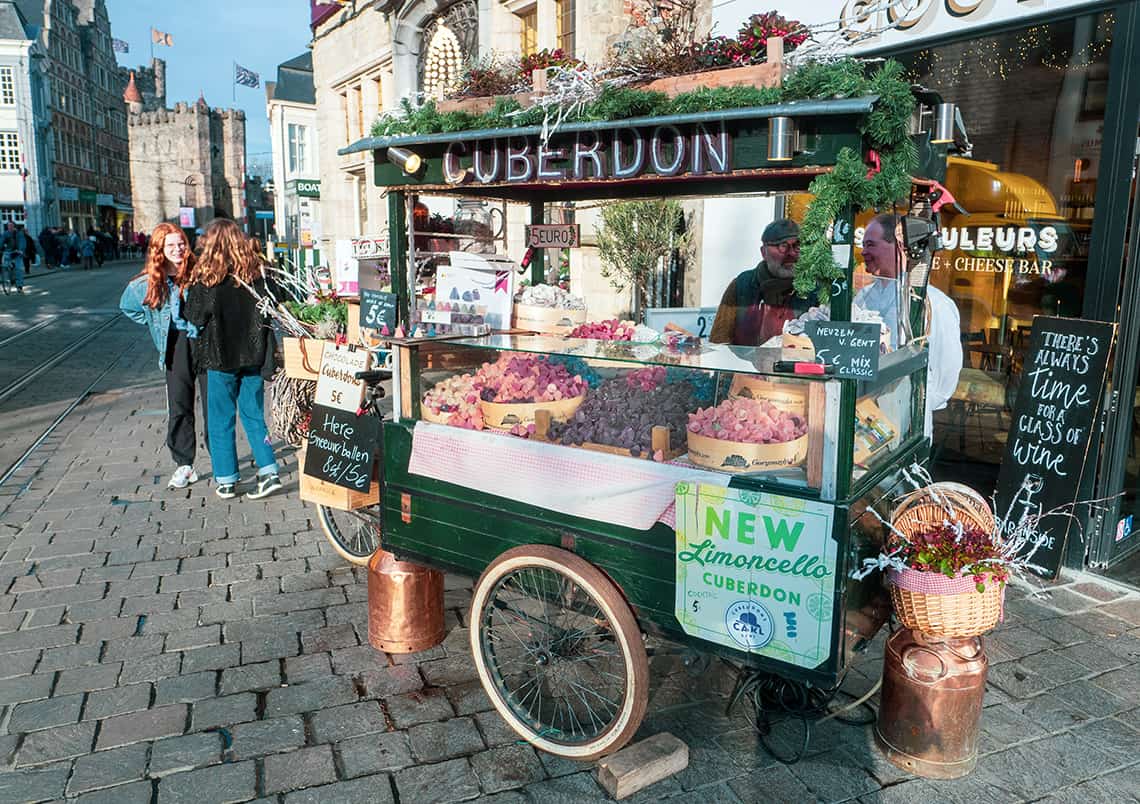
{"x": 636, "y": 240}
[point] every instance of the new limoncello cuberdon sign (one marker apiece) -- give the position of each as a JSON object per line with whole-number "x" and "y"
{"x": 756, "y": 572}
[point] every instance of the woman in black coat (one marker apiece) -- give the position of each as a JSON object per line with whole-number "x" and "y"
{"x": 234, "y": 346}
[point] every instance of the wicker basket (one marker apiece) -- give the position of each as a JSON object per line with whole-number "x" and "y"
{"x": 959, "y": 614}
{"x": 920, "y": 509}
{"x": 929, "y": 601}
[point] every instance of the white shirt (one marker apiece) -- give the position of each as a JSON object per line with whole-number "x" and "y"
{"x": 882, "y": 297}
{"x": 945, "y": 353}
{"x": 944, "y": 339}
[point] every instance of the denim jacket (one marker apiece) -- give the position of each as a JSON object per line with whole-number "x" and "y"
{"x": 157, "y": 321}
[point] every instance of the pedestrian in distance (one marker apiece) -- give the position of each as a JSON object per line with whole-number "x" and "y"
{"x": 68, "y": 241}
{"x": 13, "y": 250}
{"x": 235, "y": 346}
{"x": 87, "y": 252}
{"x": 49, "y": 247}
{"x": 155, "y": 298}
{"x": 29, "y": 251}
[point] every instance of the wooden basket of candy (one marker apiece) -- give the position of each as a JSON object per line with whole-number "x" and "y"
{"x": 747, "y": 435}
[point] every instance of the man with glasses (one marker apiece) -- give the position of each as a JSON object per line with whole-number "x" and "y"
{"x": 885, "y": 259}
{"x": 756, "y": 304}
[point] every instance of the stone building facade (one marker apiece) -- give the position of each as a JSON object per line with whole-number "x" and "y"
{"x": 190, "y": 156}
{"x": 370, "y": 54}
{"x": 150, "y": 83}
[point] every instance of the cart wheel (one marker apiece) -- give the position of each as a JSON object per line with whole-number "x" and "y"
{"x": 559, "y": 652}
{"x": 355, "y": 535}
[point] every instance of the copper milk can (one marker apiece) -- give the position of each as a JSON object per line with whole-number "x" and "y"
{"x": 932, "y": 703}
{"x": 405, "y": 605}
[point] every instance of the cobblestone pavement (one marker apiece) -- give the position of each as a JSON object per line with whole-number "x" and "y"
{"x": 172, "y": 647}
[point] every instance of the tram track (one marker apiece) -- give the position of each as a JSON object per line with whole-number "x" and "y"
{"x": 86, "y": 392}
{"x": 55, "y": 359}
{"x": 14, "y": 396}
{"x": 29, "y": 330}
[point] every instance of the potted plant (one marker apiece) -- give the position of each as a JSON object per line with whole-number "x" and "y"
{"x": 634, "y": 237}
{"x": 947, "y": 560}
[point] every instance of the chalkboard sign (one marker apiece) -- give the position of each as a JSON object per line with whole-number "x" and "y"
{"x": 340, "y": 447}
{"x": 852, "y": 348}
{"x": 1062, "y": 383}
{"x": 337, "y": 385}
{"x": 377, "y": 309}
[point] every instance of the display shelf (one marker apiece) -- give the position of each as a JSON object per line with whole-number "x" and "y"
{"x": 705, "y": 357}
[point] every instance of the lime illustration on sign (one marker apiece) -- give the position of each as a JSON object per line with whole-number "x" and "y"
{"x": 756, "y": 572}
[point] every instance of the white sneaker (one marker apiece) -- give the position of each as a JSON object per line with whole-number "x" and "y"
{"x": 183, "y": 476}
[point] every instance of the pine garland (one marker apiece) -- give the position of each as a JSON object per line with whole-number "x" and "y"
{"x": 847, "y": 186}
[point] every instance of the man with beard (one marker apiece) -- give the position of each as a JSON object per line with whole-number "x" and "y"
{"x": 756, "y": 304}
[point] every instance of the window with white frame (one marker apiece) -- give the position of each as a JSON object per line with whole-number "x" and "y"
{"x": 298, "y": 149}
{"x": 9, "y": 152}
{"x": 7, "y": 87}
{"x": 13, "y": 214}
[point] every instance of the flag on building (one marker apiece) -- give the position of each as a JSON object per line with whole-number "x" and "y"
{"x": 160, "y": 38}
{"x": 247, "y": 78}
{"x": 119, "y": 46}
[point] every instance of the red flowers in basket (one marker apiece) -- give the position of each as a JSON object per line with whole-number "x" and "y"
{"x": 954, "y": 551}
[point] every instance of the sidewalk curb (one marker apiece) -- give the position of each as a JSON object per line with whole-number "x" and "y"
{"x": 43, "y": 273}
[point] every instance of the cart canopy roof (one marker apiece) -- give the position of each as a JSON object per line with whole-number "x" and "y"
{"x": 705, "y": 153}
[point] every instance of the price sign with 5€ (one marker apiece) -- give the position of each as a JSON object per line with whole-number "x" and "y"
{"x": 337, "y": 386}
{"x": 377, "y": 309}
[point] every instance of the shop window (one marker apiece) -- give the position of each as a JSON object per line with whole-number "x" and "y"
{"x": 1034, "y": 111}
{"x": 528, "y": 32}
{"x": 7, "y": 87}
{"x": 9, "y": 152}
{"x": 564, "y": 14}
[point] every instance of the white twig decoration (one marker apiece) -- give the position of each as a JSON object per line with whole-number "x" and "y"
{"x": 1016, "y": 540}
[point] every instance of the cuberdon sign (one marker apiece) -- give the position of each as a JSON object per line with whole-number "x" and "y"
{"x": 619, "y": 153}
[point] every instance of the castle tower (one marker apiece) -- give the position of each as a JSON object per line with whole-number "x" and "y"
{"x": 132, "y": 97}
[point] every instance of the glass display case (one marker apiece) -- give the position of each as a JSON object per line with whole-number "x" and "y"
{"x": 721, "y": 408}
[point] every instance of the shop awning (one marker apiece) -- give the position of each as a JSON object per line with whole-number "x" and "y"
{"x": 698, "y": 153}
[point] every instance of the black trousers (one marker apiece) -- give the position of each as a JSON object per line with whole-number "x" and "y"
{"x": 181, "y": 372}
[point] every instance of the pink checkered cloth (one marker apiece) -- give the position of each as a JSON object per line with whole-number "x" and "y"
{"x": 592, "y": 485}
{"x": 935, "y": 583}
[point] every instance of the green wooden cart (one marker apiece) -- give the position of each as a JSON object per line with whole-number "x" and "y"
{"x": 757, "y": 569}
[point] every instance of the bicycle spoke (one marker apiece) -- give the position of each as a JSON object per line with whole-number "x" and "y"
{"x": 553, "y": 655}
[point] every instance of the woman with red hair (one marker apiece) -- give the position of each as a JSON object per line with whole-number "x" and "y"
{"x": 154, "y": 298}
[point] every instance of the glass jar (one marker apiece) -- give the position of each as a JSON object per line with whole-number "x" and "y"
{"x": 475, "y": 219}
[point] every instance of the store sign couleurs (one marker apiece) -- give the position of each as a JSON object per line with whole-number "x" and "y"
{"x": 756, "y": 572}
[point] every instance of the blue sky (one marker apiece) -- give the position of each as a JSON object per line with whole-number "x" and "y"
{"x": 209, "y": 36}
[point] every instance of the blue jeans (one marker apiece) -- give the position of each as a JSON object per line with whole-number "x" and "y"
{"x": 228, "y": 396}
{"x": 14, "y": 266}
